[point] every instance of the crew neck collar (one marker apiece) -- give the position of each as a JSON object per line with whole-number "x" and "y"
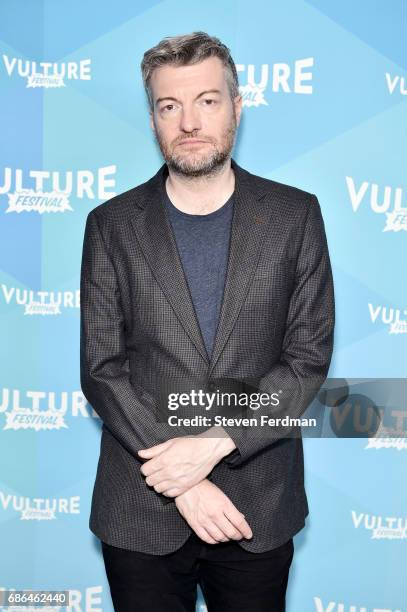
{"x": 192, "y": 217}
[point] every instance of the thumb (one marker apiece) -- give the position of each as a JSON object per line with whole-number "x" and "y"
{"x": 153, "y": 450}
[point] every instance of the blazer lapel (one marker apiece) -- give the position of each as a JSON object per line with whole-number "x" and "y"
{"x": 157, "y": 241}
{"x": 154, "y": 233}
{"x": 249, "y": 228}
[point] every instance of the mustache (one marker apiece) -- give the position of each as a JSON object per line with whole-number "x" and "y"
{"x": 182, "y": 138}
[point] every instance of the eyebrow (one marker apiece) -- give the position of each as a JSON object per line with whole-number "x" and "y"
{"x": 198, "y": 96}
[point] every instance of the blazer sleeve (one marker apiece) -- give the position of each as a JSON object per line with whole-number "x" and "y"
{"x": 307, "y": 344}
{"x": 104, "y": 377}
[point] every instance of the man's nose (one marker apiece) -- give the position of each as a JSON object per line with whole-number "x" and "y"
{"x": 190, "y": 118}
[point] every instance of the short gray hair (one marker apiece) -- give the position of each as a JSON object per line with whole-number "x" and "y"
{"x": 184, "y": 50}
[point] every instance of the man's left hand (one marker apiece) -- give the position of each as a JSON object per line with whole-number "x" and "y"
{"x": 180, "y": 463}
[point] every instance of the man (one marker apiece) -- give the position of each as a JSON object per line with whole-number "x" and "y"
{"x": 205, "y": 278}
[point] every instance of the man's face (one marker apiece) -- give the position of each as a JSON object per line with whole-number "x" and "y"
{"x": 193, "y": 103}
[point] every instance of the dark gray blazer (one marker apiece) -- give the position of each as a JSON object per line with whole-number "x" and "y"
{"x": 140, "y": 338}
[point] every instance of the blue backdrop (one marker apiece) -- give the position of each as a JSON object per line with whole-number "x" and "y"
{"x": 324, "y": 86}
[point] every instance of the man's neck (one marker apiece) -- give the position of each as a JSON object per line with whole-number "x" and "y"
{"x": 200, "y": 195}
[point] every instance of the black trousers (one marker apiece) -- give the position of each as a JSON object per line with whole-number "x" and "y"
{"x": 231, "y": 578}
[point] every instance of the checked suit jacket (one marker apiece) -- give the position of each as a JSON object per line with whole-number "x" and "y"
{"x": 140, "y": 338}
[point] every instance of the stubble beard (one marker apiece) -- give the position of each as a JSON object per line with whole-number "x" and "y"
{"x": 199, "y": 164}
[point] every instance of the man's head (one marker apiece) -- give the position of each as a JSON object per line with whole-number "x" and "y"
{"x": 193, "y": 93}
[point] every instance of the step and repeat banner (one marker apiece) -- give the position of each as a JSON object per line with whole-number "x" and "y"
{"x": 325, "y": 109}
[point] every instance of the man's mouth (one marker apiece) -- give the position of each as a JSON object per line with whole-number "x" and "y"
{"x": 192, "y": 141}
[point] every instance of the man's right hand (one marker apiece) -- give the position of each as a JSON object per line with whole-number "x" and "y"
{"x": 211, "y": 514}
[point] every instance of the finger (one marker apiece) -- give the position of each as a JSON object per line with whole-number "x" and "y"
{"x": 171, "y": 492}
{"x": 164, "y": 481}
{"x": 159, "y": 477}
{"x": 203, "y": 534}
{"x": 216, "y": 533}
{"x": 161, "y": 486}
{"x": 238, "y": 521}
{"x": 245, "y": 528}
{"x": 150, "y": 467}
{"x": 174, "y": 492}
{"x": 230, "y": 531}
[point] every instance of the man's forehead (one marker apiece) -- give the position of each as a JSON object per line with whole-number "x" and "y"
{"x": 207, "y": 74}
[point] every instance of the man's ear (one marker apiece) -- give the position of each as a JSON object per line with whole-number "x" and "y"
{"x": 238, "y": 102}
{"x": 151, "y": 121}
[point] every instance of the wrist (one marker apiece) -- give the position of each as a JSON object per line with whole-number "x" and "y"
{"x": 222, "y": 443}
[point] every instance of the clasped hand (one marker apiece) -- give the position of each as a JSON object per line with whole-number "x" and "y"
{"x": 180, "y": 463}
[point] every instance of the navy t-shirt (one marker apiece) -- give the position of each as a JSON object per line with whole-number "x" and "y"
{"x": 203, "y": 246}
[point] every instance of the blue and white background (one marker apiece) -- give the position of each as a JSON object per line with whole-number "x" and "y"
{"x": 325, "y": 88}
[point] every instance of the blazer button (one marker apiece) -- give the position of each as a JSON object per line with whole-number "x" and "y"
{"x": 211, "y": 386}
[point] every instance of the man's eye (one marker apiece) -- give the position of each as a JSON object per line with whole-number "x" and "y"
{"x": 209, "y": 100}
{"x": 167, "y": 107}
